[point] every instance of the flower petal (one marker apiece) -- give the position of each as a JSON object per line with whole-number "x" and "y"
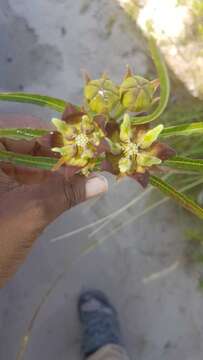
{"x": 162, "y": 151}
{"x": 147, "y": 160}
{"x": 111, "y": 128}
{"x": 67, "y": 151}
{"x": 115, "y": 148}
{"x": 150, "y": 137}
{"x": 125, "y": 165}
{"x": 60, "y": 125}
{"x": 51, "y": 140}
{"x": 71, "y": 133}
{"x": 142, "y": 178}
{"x": 103, "y": 147}
{"x": 125, "y": 129}
{"x": 101, "y": 121}
{"x": 72, "y": 114}
{"x": 87, "y": 125}
{"x": 95, "y": 138}
{"x": 87, "y": 153}
{"x": 79, "y": 162}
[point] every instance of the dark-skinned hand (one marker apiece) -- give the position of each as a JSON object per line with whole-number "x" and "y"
{"x": 31, "y": 199}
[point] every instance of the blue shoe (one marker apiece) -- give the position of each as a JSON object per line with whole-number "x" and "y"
{"x": 99, "y": 320}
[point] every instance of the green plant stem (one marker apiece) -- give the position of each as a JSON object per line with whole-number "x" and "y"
{"x": 164, "y": 85}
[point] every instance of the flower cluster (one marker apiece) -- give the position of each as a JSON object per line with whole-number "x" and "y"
{"x": 100, "y": 135}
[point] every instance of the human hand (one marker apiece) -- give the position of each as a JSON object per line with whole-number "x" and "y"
{"x": 30, "y": 199}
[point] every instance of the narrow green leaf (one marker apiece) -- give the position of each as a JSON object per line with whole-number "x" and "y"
{"x": 182, "y": 199}
{"x": 23, "y": 133}
{"x": 164, "y": 85}
{"x": 178, "y": 162}
{"x": 37, "y": 99}
{"x": 39, "y": 162}
{"x": 183, "y": 130}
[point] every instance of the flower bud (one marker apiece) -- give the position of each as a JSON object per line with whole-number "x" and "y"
{"x": 101, "y": 95}
{"x": 136, "y": 93}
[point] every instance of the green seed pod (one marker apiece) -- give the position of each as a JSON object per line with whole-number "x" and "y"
{"x": 102, "y": 95}
{"x": 136, "y": 93}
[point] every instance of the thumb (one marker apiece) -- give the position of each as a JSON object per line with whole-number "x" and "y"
{"x": 59, "y": 194}
{"x": 79, "y": 188}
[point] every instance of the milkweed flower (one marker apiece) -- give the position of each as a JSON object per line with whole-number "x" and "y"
{"x": 134, "y": 150}
{"x": 80, "y": 142}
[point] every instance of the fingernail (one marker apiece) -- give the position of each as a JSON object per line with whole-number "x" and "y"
{"x": 96, "y": 185}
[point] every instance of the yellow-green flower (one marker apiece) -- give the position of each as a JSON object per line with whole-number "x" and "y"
{"x": 80, "y": 143}
{"x": 136, "y": 150}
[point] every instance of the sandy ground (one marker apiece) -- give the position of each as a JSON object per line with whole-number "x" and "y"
{"x": 44, "y": 45}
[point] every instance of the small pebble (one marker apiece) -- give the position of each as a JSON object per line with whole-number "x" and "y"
{"x": 63, "y": 31}
{"x": 9, "y": 59}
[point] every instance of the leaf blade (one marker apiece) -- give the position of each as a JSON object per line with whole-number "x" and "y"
{"x": 178, "y": 162}
{"x": 164, "y": 85}
{"x": 36, "y": 99}
{"x": 22, "y": 133}
{"x": 182, "y": 199}
{"x": 39, "y": 162}
{"x": 182, "y": 130}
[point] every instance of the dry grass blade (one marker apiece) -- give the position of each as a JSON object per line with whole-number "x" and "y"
{"x": 26, "y": 337}
{"x": 105, "y": 219}
{"x": 142, "y": 213}
{"x": 124, "y": 208}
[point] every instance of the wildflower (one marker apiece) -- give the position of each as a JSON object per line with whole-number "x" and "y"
{"x": 80, "y": 142}
{"x": 135, "y": 150}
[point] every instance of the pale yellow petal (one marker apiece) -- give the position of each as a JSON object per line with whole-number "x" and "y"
{"x": 87, "y": 124}
{"x": 150, "y": 137}
{"x": 125, "y": 129}
{"x": 147, "y": 160}
{"x": 125, "y": 165}
{"x": 60, "y": 125}
{"x": 67, "y": 151}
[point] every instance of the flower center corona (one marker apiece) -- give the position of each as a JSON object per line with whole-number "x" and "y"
{"x": 130, "y": 149}
{"x": 81, "y": 140}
